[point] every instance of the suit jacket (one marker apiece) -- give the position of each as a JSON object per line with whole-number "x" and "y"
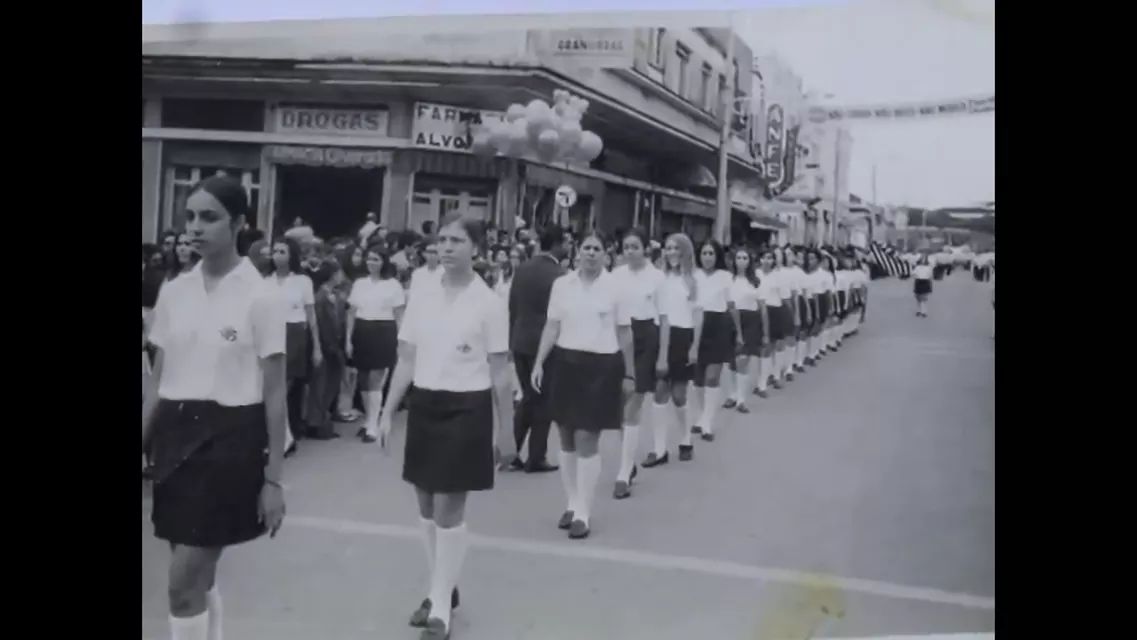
{"x": 529, "y": 302}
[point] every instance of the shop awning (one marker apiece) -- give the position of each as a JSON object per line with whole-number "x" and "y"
{"x": 553, "y": 178}
{"x": 687, "y": 207}
{"x": 760, "y": 220}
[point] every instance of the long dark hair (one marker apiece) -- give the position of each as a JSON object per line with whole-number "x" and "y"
{"x": 174, "y": 269}
{"x": 751, "y": 270}
{"x": 388, "y": 270}
{"x": 720, "y": 258}
{"x": 293, "y": 254}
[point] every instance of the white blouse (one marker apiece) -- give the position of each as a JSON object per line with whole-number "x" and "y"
{"x": 794, "y": 279}
{"x": 588, "y": 313}
{"x": 744, "y": 295}
{"x": 642, "y": 290}
{"x": 769, "y": 289}
{"x": 922, "y": 272}
{"x": 213, "y": 342}
{"x": 376, "y": 299}
{"x": 297, "y": 292}
{"x": 713, "y": 289}
{"x": 676, "y": 304}
{"x": 453, "y": 340}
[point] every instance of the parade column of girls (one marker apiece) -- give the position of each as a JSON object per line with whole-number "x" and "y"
{"x": 818, "y": 305}
{"x": 721, "y": 339}
{"x": 592, "y": 369}
{"x": 681, "y": 327}
{"x": 788, "y": 289}
{"x": 641, "y": 284}
{"x": 755, "y": 321}
{"x": 214, "y": 406}
{"x": 770, "y": 294}
{"x": 303, "y": 333}
{"x": 829, "y": 281}
{"x": 454, "y": 347}
{"x": 375, "y": 309}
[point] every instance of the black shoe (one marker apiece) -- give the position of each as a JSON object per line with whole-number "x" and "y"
{"x": 696, "y": 429}
{"x": 761, "y": 394}
{"x": 686, "y": 452}
{"x": 789, "y": 377}
{"x": 517, "y": 464}
{"x": 578, "y": 530}
{"x": 291, "y": 450}
{"x": 776, "y": 384}
{"x": 621, "y": 490}
{"x": 708, "y": 437}
{"x": 541, "y": 467}
{"x": 654, "y": 461}
{"x": 368, "y": 438}
{"x": 566, "y": 520}
{"x": 435, "y": 630}
{"x": 799, "y": 368}
{"x": 635, "y": 470}
{"x": 362, "y": 432}
{"x": 422, "y": 614}
{"x": 729, "y": 404}
{"x": 741, "y": 408}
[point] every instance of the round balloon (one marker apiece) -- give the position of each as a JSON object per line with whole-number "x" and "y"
{"x": 499, "y": 135}
{"x": 548, "y": 144}
{"x": 570, "y": 133}
{"x": 518, "y": 136}
{"x": 516, "y": 111}
{"x": 482, "y": 146}
{"x": 590, "y": 146}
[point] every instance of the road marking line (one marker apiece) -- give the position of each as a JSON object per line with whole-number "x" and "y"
{"x": 660, "y": 561}
{"x": 931, "y": 636}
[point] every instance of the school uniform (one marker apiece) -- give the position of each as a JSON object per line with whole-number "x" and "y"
{"x": 922, "y": 277}
{"x": 374, "y": 337}
{"x": 210, "y": 433}
{"x": 675, "y": 303}
{"x": 842, "y": 287}
{"x": 746, "y": 298}
{"x": 423, "y": 274}
{"x": 795, "y": 280}
{"x": 824, "y": 285}
{"x": 297, "y": 292}
{"x": 586, "y": 389}
{"x": 450, "y": 429}
{"x": 717, "y": 343}
{"x": 770, "y": 292}
{"x": 642, "y": 290}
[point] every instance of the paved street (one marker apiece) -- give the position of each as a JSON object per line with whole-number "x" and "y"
{"x": 858, "y": 501}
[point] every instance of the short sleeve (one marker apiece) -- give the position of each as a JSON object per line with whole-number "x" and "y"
{"x": 160, "y": 328}
{"x": 268, "y": 311}
{"x": 408, "y": 329}
{"x": 496, "y": 324}
{"x": 557, "y": 302}
{"x": 308, "y": 291}
{"x": 623, "y": 305}
{"x": 398, "y": 296}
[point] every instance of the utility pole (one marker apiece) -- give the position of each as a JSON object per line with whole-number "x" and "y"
{"x": 722, "y": 217}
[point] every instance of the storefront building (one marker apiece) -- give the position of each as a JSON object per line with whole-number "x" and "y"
{"x": 328, "y": 141}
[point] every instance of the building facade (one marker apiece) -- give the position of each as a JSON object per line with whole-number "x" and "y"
{"x": 329, "y": 120}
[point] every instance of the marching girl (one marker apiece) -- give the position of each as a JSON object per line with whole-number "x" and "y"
{"x": 721, "y": 338}
{"x": 922, "y": 285}
{"x": 589, "y": 334}
{"x": 641, "y": 284}
{"x": 794, "y": 276}
{"x": 215, "y": 403}
{"x": 818, "y": 303}
{"x": 755, "y": 322}
{"x": 680, "y": 328}
{"x": 829, "y": 282}
{"x": 454, "y": 348}
{"x": 841, "y": 286}
{"x": 770, "y": 293}
{"x": 375, "y": 309}
{"x": 303, "y": 332}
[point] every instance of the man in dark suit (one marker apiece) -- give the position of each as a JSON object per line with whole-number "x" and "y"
{"x": 528, "y": 304}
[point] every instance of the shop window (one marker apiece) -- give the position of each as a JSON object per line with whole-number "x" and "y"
{"x": 433, "y": 205}
{"x": 179, "y": 181}
{"x": 655, "y": 49}
{"x": 221, "y": 115}
{"x": 706, "y": 98}
{"x": 684, "y": 55}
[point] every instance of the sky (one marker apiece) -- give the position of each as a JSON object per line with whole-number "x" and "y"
{"x": 858, "y": 51}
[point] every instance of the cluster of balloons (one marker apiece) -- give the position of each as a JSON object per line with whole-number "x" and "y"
{"x": 552, "y": 134}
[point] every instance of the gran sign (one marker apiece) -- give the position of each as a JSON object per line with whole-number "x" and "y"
{"x": 331, "y": 120}
{"x": 447, "y": 128}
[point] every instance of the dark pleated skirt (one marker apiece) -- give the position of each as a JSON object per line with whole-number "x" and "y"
{"x": 842, "y": 304}
{"x": 923, "y": 287}
{"x": 823, "y": 304}
{"x": 803, "y": 313}
{"x": 449, "y": 445}
{"x": 645, "y": 340}
{"x": 777, "y": 326}
{"x": 586, "y": 390}
{"x": 751, "y": 332}
{"x": 297, "y": 350}
{"x": 208, "y": 472}
{"x": 374, "y": 344}
{"x": 679, "y": 368}
{"x": 717, "y": 345}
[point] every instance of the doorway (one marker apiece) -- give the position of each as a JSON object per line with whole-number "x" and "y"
{"x": 334, "y": 201}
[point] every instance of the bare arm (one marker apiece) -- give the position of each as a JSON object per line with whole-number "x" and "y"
{"x": 401, "y": 379}
{"x": 764, "y": 313}
{"x": 501, "y": 372}
{"x": 624, "y": 337}
{"x": 314, "y": 329}
{"x": 350, "y": 329}
{"x": 549, "y": 337}
{"x": 150, "y": 397}
{"x": 698, "y": 317}
{"x": 736, "y": 317}
{"x": 273, "y": 368}
{"x": 664, "y": 342}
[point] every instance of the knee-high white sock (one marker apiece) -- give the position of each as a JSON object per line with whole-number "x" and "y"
{"x": 712, "y": 397}
{"x": 765, "y": 369}
{"x": 800, "y": 350}
{"x": 587, "y": 477}
{"x": 660, "y": 424}
{"x": 726, "y": 379}
{"x": 449, "y": 553}
{"x": 628, "y": 447}
{"x": 288, "y": 439}
{"x": 429, "y": 541}
{"x": 215, "y": 609}
{"x": 779, "y": 364}
{"x": 685, "y": 414}
{"x": 568, "y": 479}
{"x": 742, "y": 385}
{"x": 193, "y": 628}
